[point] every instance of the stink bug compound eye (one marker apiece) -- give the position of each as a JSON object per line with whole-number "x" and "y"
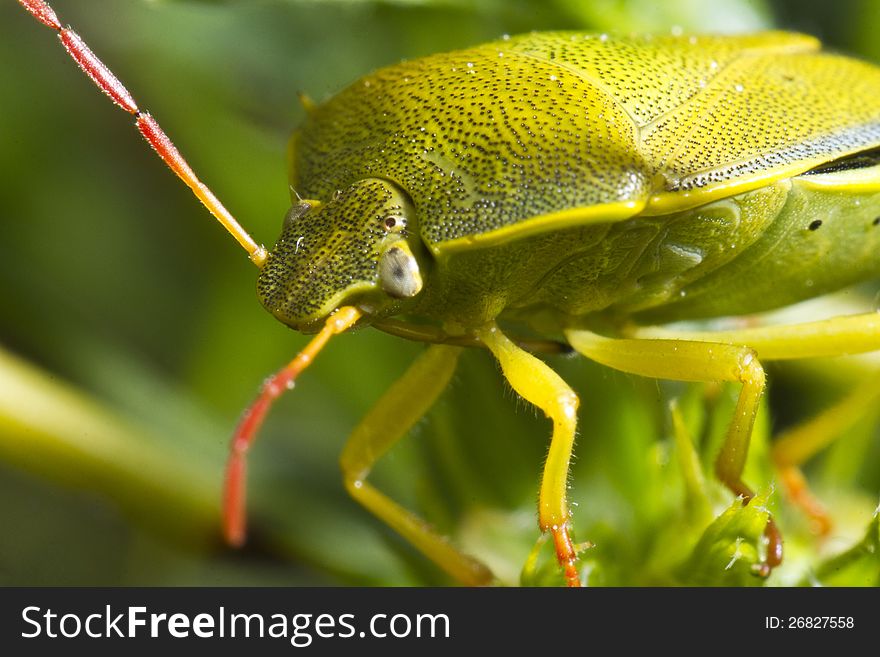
{"x": 567, "y": 192}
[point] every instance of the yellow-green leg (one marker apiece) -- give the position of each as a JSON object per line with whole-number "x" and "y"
{"x": 387, "y": 422}
{"x": 837, "y": 336}
{"x": 535, "y": 382}
{"x": 733, "y": 356}
{"x": 690, "y": 360}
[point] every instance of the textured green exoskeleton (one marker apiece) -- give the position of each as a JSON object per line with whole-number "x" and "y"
{"x": 656, "y": 177}
{"x": 565, "y": 183}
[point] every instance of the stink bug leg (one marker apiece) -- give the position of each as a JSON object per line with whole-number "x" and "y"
{"x": 794, "y": 447}
{"x": 719, "y": 355}
{"x": 386, "y": 423}
{"x": 540, "y": 385}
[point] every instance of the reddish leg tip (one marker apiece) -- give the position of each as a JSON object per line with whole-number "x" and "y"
{"x": 566, "y": 554}
{"x": 800, "y": 493}
{"x": 774, "y": 545}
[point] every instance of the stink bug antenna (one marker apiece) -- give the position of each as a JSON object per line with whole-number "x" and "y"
{"x": 234, "y": 516}
{"x": 146, "y": 124}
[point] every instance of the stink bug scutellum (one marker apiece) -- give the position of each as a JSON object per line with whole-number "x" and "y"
{"x": 497, "y": 190}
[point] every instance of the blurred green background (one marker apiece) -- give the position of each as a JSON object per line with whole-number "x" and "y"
{"x": 130, "y": 336}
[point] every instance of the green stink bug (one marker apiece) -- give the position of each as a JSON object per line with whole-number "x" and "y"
{"x": 510, "y": 230}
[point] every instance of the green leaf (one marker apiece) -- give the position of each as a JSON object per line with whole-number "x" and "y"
{"x": 729, "y": 553}
{"x": 857, "y": 566}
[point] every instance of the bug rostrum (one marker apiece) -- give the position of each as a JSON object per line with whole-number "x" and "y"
{"x": 576, "y": 187}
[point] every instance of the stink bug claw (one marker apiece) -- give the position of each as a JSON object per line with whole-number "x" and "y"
{"x": 566, "y": 554}
{"x": 774, "y": 545}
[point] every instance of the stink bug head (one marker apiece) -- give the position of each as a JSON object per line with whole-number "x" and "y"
{"x": 361, "y": 247}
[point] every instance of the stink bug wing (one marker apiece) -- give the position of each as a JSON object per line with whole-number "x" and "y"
{"x": 727, "y": 111}
{"x": 769, "y": 116}
{"x": 651, "y": 76}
